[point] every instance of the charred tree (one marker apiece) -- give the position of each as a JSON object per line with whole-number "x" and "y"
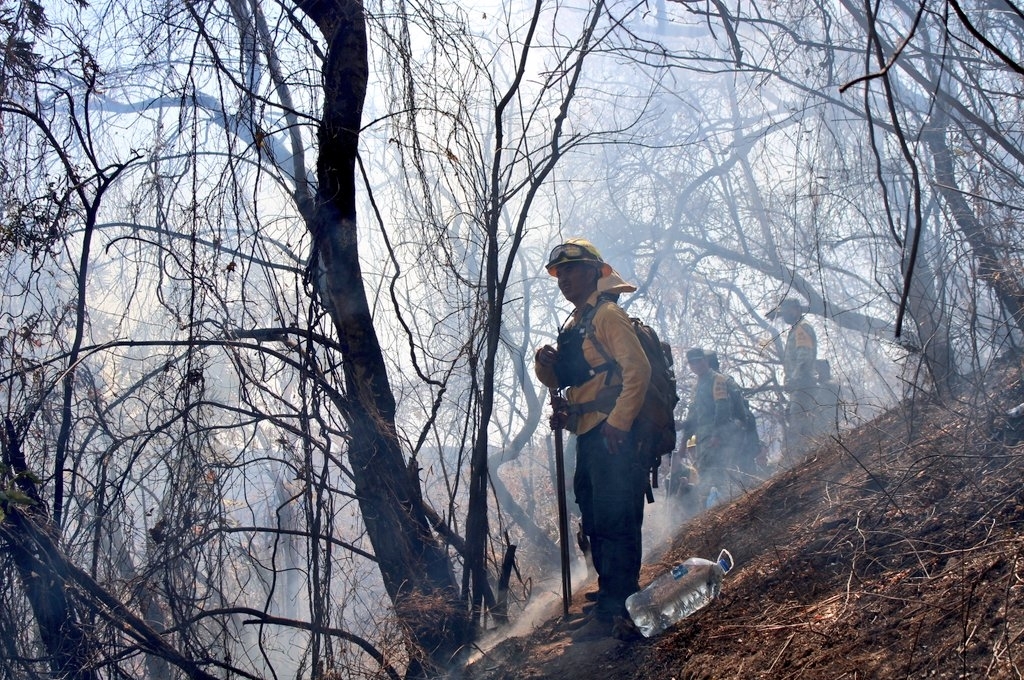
{"x": 994, "y": 267}
{"x": 24, "y": 531}
{"x": 415, "y": 568}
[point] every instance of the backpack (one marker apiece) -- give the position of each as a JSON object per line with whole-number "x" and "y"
{"x": 655, "y": 424}
{"x": 741, "y": 412}
{"x": 751, "y": 445}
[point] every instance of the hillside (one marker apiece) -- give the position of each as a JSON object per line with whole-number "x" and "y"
{"x": 896, "y": 553}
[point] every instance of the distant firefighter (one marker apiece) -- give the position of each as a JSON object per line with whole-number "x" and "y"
{"x": 710, "y": 416}
{"x": 799, "y": 374}
{"x": 829, "y": 399}
{"x": 682, "y": 482}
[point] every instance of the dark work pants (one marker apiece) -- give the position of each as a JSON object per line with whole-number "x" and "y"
{"x": 802, "y": 414}
{"x": 610, "y": 493}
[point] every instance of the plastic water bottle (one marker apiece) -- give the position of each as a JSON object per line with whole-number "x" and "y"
{"x": 677, "y": 594}
{"x": 713, "y": 497}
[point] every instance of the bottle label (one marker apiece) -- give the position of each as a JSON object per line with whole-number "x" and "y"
{"x": 679, "y": 571}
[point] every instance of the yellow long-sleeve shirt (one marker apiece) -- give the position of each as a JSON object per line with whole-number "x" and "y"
{"x": 614, "y": 331}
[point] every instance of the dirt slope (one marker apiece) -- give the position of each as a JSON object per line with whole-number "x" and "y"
{"x": 897, "y": 553}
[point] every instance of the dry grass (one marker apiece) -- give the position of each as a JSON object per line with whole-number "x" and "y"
{"x": 896, "y": 553}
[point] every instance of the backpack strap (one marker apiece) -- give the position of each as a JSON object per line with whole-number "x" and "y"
{"x": 609, "y": 394}
{"x": 610, "y": 365}
{"x": 604, "y": 401}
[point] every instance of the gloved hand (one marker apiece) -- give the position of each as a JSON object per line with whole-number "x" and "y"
{"x": 546, "y": 356}
{"x": 614, "y": 438}
{"x": 582, "y": 540}
{"x": 559, "y": 413}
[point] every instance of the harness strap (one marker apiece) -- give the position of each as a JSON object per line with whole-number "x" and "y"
{"x": 610, "y": 366}
{"x": 608, "y": 394}
{"x": 604, "y": 401}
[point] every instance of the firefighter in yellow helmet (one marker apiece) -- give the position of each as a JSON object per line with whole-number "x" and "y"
{"x": 799, "y": 375}
{"x": 604, "y": 396}
{"x": 710, "y": 416}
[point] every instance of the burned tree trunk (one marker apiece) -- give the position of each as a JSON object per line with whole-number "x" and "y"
{"x": 24, "y": 523}
{"x": 995, "y": 268}
{"x": 415, "y": 567}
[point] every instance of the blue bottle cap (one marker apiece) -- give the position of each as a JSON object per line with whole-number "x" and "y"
{"x": 725, "y": 560}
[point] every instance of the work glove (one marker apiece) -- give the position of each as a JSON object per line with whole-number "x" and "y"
{"x": 559, "y": 413}
{"x": 614, "y": 438}
{"x": 546, "y": 356}
{"x": 582, "y": 540}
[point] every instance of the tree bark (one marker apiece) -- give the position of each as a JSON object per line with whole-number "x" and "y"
{"x": 22, "y": 532}
{"x": 415, "y": 568}
{"x": 992, "y": 261}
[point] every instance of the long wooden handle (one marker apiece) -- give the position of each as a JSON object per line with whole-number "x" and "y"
{"x": 563, "y": 513}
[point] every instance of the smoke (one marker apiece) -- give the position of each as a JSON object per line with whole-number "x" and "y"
{"x": 663, "y": 520}
{"x": 545, "y": 604}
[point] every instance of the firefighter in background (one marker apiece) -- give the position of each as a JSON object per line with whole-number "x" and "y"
{"x": 799, "y": 375}
{"x": 682, "y": 482}
{"x": 710, "y": 417}
{"x": 829, "y": 399}
{"x": 748, "y": 454}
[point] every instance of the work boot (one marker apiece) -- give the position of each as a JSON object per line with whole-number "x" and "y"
{"x": 597, "y": 628}
{"x": 624, "y": 629}
{"x": 575, "y": 621}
